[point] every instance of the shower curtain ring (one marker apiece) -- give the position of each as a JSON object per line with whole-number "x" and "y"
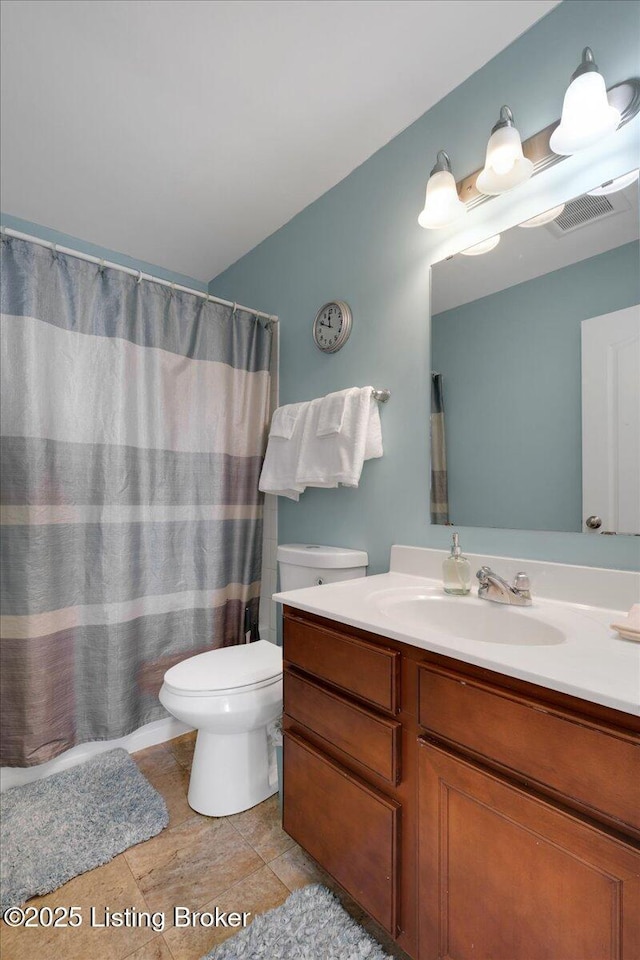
{"x": 139, "y": 276}
{"x": 54, "y": 251}
{"x": 101, "y": 267}
{"x": 235, "y": 307}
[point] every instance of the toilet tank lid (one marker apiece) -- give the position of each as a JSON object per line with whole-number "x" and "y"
{"x": 315, "y": 555}
{"x": 226, "y": 668}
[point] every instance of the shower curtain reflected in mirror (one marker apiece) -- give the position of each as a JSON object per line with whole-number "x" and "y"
{"x": 133, "y": 429}
{"x": 439, "y": 480}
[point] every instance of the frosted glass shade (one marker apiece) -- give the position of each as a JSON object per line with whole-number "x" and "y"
{"x": 505, "y": 165}
{"x": 483, "y": 247}
{"x": 442, "y": 204}
{"x": 587, "y": 115}
{"x": 542, "y": 218}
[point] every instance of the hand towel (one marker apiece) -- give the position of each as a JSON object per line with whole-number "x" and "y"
{"x": 278, "y": 474}
{"x": 283, "y": 422}
{"x": 337, "y": 458}
{"x": 331, "y": 413}
{"x": 373, "y": 443}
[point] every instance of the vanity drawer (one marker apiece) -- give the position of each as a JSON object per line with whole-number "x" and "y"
{"x": 371, "y": 740}
{"x": 348, "y": 827}
{"x": 595, "y": 765}
{"x": 364, "y": 669}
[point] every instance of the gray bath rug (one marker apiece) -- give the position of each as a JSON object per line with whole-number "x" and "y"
{"x": 310, "y": 925}
{"x": 56, "y": 828}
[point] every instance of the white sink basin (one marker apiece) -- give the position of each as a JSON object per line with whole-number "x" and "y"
{"x": 563, "y": 644}
{"x": 466, "y": 617}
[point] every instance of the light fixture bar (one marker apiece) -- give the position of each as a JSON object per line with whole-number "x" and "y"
{"x": 625, "y": 96}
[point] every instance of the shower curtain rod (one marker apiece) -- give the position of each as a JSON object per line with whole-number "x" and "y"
{"x": 134, "y": 273}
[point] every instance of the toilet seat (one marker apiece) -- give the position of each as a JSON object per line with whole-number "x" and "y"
{"x": 226, "y": 670}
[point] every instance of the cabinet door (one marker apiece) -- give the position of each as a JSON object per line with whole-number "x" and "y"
{"x": 347, "y": 826}
{"x": 505, "y": 875}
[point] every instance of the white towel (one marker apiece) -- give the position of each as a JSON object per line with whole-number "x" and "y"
{"x": 284, "y": 420}
{"x": 331, "y": 413}
{"x": 326, "y": 460}
{"x": 278, "y": 474}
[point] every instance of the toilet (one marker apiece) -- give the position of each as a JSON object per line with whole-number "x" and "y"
{"x": 231, "y": 694}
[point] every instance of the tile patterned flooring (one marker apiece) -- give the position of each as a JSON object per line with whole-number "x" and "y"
{"x": 244, "y": 862}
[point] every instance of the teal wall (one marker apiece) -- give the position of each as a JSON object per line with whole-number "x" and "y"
{"x": 515, "y": 356}
{"x": 360, "y": 242}
{"x": 85, "y": 246}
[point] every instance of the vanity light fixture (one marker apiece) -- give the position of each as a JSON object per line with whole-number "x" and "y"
{"x": 505, "y": 165}
{"x": 442, "y": 204}
{"x": 612, "y": 186}
{"x": 543, "y": 218}
{"x": 483, "y": 247}
{"x": 590, "y": 112}
{"x": 587, "y": 115}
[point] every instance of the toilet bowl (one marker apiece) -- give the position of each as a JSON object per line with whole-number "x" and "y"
{"x": 229, "y": 695}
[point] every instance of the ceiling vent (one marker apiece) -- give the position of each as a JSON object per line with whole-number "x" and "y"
{"x": 586, "y": 209}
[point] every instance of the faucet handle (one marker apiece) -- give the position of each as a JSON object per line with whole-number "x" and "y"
{"x": 521, "y": 582}
{"x": 483, "y": 573}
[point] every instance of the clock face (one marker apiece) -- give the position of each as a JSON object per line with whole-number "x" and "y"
{"x": 332, "y": 326}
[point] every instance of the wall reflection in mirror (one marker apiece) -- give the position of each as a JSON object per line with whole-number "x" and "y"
{"x": 536, "y": 373}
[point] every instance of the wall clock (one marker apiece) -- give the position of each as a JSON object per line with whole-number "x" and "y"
{"x": 332, "y": 326}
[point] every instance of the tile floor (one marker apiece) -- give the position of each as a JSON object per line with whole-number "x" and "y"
{"x": 245, "y": 862}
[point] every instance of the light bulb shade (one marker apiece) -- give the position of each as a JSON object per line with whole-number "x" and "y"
{"x": 542, "y": 218}
{"x": 612, "y": 186}
{"x": 442, "y": 204}
{"x": 504, "y": 149}
{"x": 587, "y": 115}
{"x": 483, "y": 247}
{"x": 505, "y": 165}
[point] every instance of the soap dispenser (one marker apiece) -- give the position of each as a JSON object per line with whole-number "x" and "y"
{"x": 456, "y": 571}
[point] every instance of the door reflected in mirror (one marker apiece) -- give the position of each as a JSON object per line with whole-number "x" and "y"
{"x": 535, "y": 351}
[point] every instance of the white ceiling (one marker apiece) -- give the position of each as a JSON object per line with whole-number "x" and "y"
{"x": 184, "y": 132}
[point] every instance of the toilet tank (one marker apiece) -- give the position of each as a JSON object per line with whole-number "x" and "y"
{"x": 309, "y": 564}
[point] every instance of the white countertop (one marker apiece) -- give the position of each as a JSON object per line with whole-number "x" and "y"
{"x": 592, "y": 662}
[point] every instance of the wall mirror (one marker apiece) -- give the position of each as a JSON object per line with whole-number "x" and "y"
{"x": 535, "y": 353}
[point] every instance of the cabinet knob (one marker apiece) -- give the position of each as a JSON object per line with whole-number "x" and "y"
{"x": 593, "y": 522}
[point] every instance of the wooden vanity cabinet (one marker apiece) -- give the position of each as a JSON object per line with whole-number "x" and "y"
{"x": 350, "y": 747}
{"x": 529, "y": 819}
{"x": 474, "y": 816}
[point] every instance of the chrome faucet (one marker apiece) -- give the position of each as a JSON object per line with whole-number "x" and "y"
{"x": 493, "y": 587}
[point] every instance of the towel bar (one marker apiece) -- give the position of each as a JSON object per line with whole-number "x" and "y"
{"x": 381, "y": 395}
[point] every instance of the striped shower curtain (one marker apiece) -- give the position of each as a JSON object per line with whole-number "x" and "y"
{"x": 133, "y": 428}
{"x": 439, "y": 475}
